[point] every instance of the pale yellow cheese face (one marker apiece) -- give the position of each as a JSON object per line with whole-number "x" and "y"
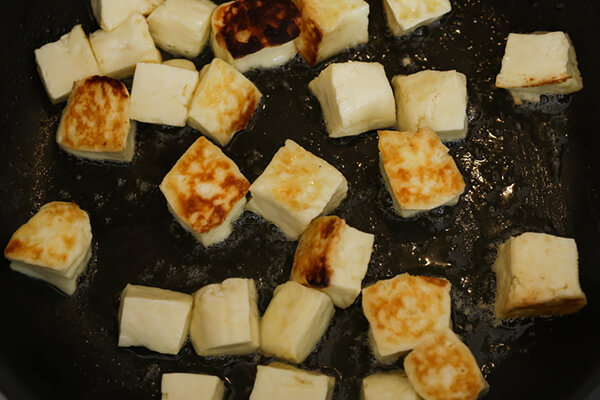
{"x": 181, "y": 63}
{"x": 186, "y": 386}
{"x": 393, "y": 385}
{"x": 280, "y": 381}
{"x": 111, "y": 13}
{"x": 404, "y": 16}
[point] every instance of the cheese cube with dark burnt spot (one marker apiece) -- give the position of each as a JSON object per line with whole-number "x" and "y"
{"x": 224, "y": 102}
{"x": 206, "y": 192}
{"x": 404, "y": 16}
{"x": 403, "y": 310}
{"x": 418, "y": 171}
{"x": 392, "y": 385}
{"x": 255, "y": 33}
{"x": 186, "y": 386}
{"x": 111, "y": 13}
{"x": 54, "y": 245}
{"x": 278, "y": 381}
{"x": 333, "y": 257}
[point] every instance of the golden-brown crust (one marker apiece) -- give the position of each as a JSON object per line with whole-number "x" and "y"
{"x": 531, "y": 307}
{"x": 310, "y": 39}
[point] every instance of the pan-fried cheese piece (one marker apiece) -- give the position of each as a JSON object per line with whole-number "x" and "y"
{"x": 206, "y": 192}
{"x": 402, "y": 310}
{"x": 224, "y": 102}
{"x": 118, "y": 51}
{"x": 295, "y": 188}
{"x": 225, "y": 318}
{"x": 157, "y": 319}
{"x": 64, "y": 62}
{"x": 442, "y": 367}
{"x": 255, "y": 33}
{"x": 54, "y": 245}
{"x": 278, "y": 381}
{"x": 95, "y": 123}
{"x": 392, "y": 385}
{"x": 539, "y": 63}
{"x": 181, "y": 27}
{"x": 333, "y": 257}
{"x": 537, "y": 274}
{"x": 434, "y": 99}
{"x": 181, "y": 63}
{"x": 111, "y": 13}
{"x": 404, "y": 16}
{"x": 185, "y": 386}
{"x": 418, "y": 171}
{"x": 355, "y": 97}
{"x": 294, "y": 321}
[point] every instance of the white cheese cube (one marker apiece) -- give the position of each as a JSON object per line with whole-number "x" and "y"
{"x": 333, "y": 257}
{"x": 278, "y": 381}
{"x": 537, "y": 274}
{"x": 224, "y": 102}
{"x": 434, "y": 99}
{"x": 54, "y": 245}
{"x": 160, "y": 94}
{"x": 181, "y": 63}
{"x": 111, "y": 13}
{"x": 118, "y": 51}
{"x": 404, "y": 16}
{"x": 183, "y": 386}
{"x": 181, "y": 26}
{"x": 539, "y": 63}
{"x": 157, "y": 319}
{"x": 418, "y": 171}
{"x": 295, "y": 188}
{"x": 64, "y": 62}
{"x": 393, "y": 385}
{"x": 294, "y": 321}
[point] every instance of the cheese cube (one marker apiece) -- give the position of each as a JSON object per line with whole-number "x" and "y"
{"x": 403, "y": 310}
{"x": 64, "y": 62}
{"x": 294, "y": 321}
{"x": 157, "y": 319}
{"x": 393, "y": 385}
{"x": 118, "y": 51}
{"x": 278, "y": 381}
{"x": 160, "y": 94}
{"x": 206, "y": 192}
{"x": 442, "y": 367}
{"x": 225, "y": 318}
{"x": 418, "y": 171}
{"x": 539, "y": 63}
{"x": 355, "y": 97}
{"x": 331, "y": 26}
{"x": 181, "y": 63}
{"x": 333, "y": 257}
{"x": 255, "y": 33}
{"x": 54, "y": 245}
{"x": 111, "y": 13}
{"x": 537, "y": 274}
{"x": 434, "y": 99}
{"x": 182, "y": 386}
{"x": 181, "y": 26}
{"x": 224, "y": 102}
{"x": 404, "y": 16}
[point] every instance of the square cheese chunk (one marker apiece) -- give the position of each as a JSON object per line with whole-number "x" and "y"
{"x": 441, "y": 367}
{"x": 418, "y": 171}
{"x": 434, "y": 99}
{"x": 294, "y": 321}
{"x": 295, "y": 188}
{"x": 537, "y": 274}
{"x": 154, "y": 318}
{"x": 224, "y": 102}
{"x": 355, "y": 97}
{"x": 111, "y": 13}
{"x": 206, "y": 192}
{"x": 225, "y": 318}
{"x": 333, "y": 257}
{"x": 403, "y": 310}
{"x": 404, "y": 16}
{"x": 278, "y": 381}
{"x": 185, "y": 386}
{"x": 539, "y": 63}
{"x": 393, "y": 385}
{"x": 331, "y": 26}
{"x": 54, "y": 245}
{"x": 64, "y": 62}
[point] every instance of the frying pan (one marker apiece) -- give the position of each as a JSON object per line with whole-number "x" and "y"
{"x": 528, "y": 168}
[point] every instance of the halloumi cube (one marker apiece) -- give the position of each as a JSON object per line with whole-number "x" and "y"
{"x": 118, "y": 51}
{"x": 539, "y": 63}
{"x": 181, "y": 27}
{"x": 186, "y": 386}
{"x": 111, "y": 13}
{"x": 157, "y": 319}
{"x": 392, "y": 385}
{"x": 206, "y": 192}
{"x": 54, "y": 245}
{"x": 255, "y": 33}
{"x": 295, "y": 188}
{"x": 537, "y": 274}
{"x": 355, "y": 97}
{"x": 402, "y": 310}
{"x": 62, "y": 63}
{"x": 224, "y": 102}
{"x": 278, "y": 381}
{"x": 404, "y": 16}
{"x": 441, "y": 367}
{"x": 333, "y": 257}
{"x": 181, "y": 63}
{"x": 418, "y": 172}
{"x": 294, "y": 321}
{"x": 434, "y": 99}
{"x": 161, "y": 93}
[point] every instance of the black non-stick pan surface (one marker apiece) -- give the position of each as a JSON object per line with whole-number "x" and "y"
{"x": 528, "y": 168}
